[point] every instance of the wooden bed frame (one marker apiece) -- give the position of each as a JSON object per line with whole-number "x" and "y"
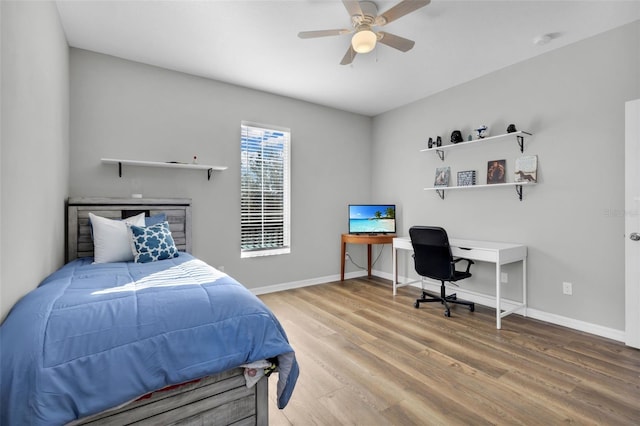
{"x": 221, "y": 399}
{"x": 79, "y": 241}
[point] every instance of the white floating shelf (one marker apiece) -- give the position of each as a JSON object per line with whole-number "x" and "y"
{"x": 519, "y": 135}
{"x": 168, "y": 165}
{"x": 518, "y": 185}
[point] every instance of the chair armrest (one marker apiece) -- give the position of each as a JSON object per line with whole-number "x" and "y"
{"x": 470, "y": 262}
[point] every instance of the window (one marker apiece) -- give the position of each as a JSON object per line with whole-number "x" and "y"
{"x": 264, "y": 183}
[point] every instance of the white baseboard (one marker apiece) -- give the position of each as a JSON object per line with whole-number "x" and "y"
{"x": 306, "y": 283}
{"x": 598, "y": 330}
{"x": 481, "y": 299}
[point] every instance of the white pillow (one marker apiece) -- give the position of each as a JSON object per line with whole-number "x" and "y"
{"x": 111, "y": 238}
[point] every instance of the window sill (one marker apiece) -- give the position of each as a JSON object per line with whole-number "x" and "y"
{"x": 262, "y": 253}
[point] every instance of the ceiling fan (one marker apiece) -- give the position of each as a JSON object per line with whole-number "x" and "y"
{"x": 364, "y": 18}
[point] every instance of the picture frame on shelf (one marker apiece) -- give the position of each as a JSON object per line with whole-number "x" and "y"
{"x": 526, "y": 169}
{"x": 442, "y": 176}
{"x": 467, "y": 178}
{"x": 496, "y": 171}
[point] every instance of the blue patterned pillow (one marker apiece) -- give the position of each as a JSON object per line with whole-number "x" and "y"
{"x": 153, "y": 243}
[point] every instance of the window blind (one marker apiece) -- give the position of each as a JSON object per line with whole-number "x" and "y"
{"x": 265, "y": 183}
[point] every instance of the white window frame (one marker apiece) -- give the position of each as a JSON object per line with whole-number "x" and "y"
{"x": 282, "y": 137}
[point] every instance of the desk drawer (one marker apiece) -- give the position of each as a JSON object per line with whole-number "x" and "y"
{"x": 475, "y": 254}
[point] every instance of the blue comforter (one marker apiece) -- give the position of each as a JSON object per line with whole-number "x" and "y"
{"x": 91, "y": 337}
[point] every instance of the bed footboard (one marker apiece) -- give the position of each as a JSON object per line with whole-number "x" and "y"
{"x": 221, "y": 399}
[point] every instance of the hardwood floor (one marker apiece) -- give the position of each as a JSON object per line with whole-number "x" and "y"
{"x": 368, "y": 358}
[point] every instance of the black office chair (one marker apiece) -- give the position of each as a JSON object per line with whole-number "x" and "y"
{"x": 433, "y": 259}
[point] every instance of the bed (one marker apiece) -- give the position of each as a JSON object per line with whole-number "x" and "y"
{"x": 158, "y": 341}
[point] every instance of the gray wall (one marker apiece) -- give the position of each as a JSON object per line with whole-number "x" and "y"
{"x": 572, "y": 99}
{"x": 123, "y": 109}
{"x": 34, "y": 159}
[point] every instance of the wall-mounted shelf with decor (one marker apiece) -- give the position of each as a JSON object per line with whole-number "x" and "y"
{"x": 168, "y": 165}
{"x": 519, "y": 135}
{"x": 518, "y": 185}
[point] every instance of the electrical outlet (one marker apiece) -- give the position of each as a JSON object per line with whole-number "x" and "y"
{"x": 504, "y": 277}
{"x": 346, "y": 255}
{"x": 221, "y": 268}
{"x": 567, "y": 288}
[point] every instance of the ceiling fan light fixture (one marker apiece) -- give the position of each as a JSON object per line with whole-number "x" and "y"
{"x": 364, "y": 41}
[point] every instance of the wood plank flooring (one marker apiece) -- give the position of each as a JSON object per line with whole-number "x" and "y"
{"x": 368, "y": 358}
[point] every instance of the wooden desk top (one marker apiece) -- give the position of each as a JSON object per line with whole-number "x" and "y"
{"x": 368, "y": 238}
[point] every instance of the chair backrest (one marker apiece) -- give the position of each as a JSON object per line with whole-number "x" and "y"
{"x": 431, "y": 252}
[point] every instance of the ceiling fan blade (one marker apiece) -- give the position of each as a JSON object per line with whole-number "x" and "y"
{"x": 348, "y": 57}
{"x": 322, "y": 33}
{"x": 399, "y": 10}
{"x": 353, "y": 7}
{"x": 397, "y": 42}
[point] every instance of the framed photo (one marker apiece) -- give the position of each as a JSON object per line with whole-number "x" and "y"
{"x": 526, "y": 169}
{"x": 467, "y": 178}
{"x": 496, "y": 171}
{"x": 442, "y": 176}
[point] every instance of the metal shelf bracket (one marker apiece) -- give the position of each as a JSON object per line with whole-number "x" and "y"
{"x": 520, "y": 142}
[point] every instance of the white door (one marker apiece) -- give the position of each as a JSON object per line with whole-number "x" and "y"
{"x": 632, "y": 223}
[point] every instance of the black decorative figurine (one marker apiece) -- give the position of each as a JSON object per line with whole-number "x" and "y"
{"x": 438, "y": 141}
{"x": 511, "y": 128}
{"x": 430, "y": 143}
{"x": 456, "y": 136}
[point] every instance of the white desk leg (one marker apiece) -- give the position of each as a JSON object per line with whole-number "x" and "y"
{"x": 394, "y": 261}
{"x": 498, "y": 297}
{"x": 524, "y": 286}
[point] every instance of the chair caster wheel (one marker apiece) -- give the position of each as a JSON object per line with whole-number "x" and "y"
{"x": 416, "y": 305}
{"x": 472, "y": 308}
{"x": 447, "y": 313}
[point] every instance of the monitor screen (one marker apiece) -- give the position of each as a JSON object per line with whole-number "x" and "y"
{"x": 372, "y": 218}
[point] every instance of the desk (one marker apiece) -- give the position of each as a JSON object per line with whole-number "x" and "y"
{"x": 484, "y": 251}
{"x": 363, "y": 239}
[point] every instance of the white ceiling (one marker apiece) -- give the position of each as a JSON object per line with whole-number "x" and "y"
{"x": 255, "y": 44}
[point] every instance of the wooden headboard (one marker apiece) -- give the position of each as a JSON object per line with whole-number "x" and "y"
{"x": 79, "y": 242}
